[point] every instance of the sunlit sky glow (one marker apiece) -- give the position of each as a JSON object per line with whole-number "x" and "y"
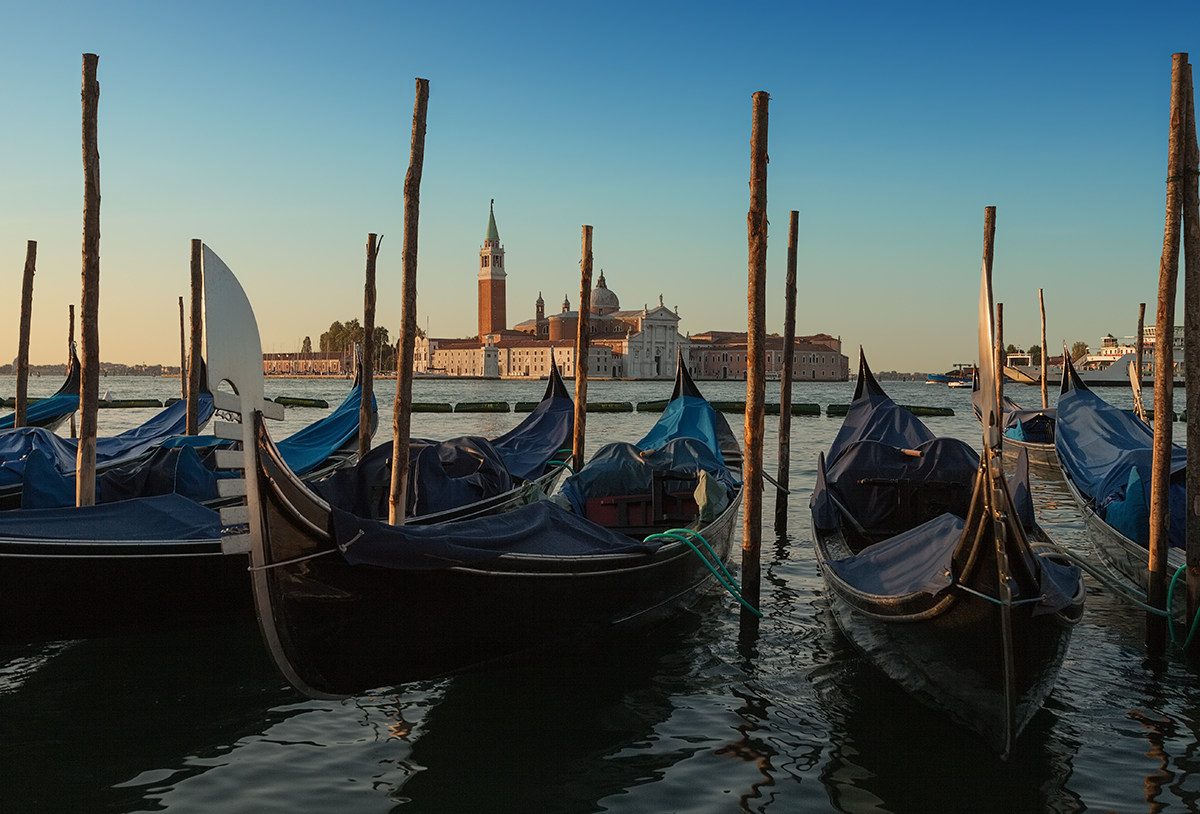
{"x": 279, "y": 134}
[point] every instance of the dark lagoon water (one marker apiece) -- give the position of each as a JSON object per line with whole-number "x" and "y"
{"x": 698, "y": 716}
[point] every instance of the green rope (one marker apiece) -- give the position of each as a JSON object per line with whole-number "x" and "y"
{"x": 1120, "y": 591}
{"x": 1195, "y": 622}
{"x": 563, "y": 464}
{"x": 723, "y": 576}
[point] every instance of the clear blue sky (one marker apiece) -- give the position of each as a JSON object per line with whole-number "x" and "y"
{"x": 279, "y": 134}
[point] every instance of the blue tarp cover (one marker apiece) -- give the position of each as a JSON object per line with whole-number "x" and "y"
{"x": 44, "y": 410}
{"x": 539, "y": 528}
{"x": 918, "y": 560}
{"x": 625, "y": 469}
{"x": 308, "y": 448}
{"x": 1032, "y": 426}
{"x": 685, "y": 417}
{"x": 872, "y": 445}
{"x": 166, "y": 517}
{"x": 456, "y": 472}
{"x": 1106, "y": 451}
{"x": 15, "y": 445}
{"x": 537, "y": 440}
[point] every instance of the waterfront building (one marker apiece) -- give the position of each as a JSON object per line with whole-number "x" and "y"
{"x": 638, "y": 344}
{"x": 313, "y": 363}
{"x": 722, "y": 355}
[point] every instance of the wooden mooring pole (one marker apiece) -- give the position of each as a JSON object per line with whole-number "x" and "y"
{"x": 183, "y": 376}
{"x": 70, "y": 349}
{"x": 1042, "y": 308}
{"x": 368, "y": 355}
{"x": 1168, "y": 270}
{"x": 1191, "y": 344}
{"x": 196, "y": 340}
{"x": 756, "y": 229}
{"x": 401, "y": 411}
{"x": 581, "y": 348}
{"x": 1135, "y": 376}
{"x": 1001, "y": 358}
{"x": 785, "y": 377}
{"x": 23, "y": 335}
{"x": 89, "y": 334}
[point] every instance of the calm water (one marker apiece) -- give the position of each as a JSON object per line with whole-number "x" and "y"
{"x": 695, "y": 717}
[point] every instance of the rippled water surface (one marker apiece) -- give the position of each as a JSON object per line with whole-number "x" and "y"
{"x": 699, "y": 716}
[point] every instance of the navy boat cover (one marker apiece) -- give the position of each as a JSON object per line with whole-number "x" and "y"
{"x": 308, "y": 448}
{"x": 538, "y": 439}
{"x": 1107, "y": 452}
{"x": 882, "y": 448}
{"x": 457, "y": 472}
{"x": 165, "y": 517}
{"x": 16, "y": 445}
{"x": 539, "y": 528}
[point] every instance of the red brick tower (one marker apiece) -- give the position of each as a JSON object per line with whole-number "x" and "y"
{"x": 492, "y": 319}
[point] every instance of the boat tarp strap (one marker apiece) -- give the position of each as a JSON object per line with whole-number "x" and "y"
{"x": 538, "y": 528}
{"x": 163, "y": 517}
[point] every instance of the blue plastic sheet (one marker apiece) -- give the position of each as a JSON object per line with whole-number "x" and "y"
{"x": 16, "y": 445}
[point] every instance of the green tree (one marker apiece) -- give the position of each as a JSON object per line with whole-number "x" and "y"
{"x": 1078, "y": 351}
{"x": 1035, "y": 354}
{"x": 306, "y": 345}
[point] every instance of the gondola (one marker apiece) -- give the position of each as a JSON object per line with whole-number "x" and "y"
{"x": 348, "y": 604}
{"x": 1029, "y": 430}
{"x": 1106, "y": 458}
{"x": 154, "y": 550}
{"x": 49, "y": 413}
{"x": 929, "y": 570}
{"x": 40, "y": 448}
{"x": 464, "y": 477}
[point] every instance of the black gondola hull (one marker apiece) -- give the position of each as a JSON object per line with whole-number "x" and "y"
{"x": 946, "y": 651}
{"x": 346, "y": 628}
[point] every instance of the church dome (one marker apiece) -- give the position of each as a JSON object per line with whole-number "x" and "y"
{"x": 604, "y": 301}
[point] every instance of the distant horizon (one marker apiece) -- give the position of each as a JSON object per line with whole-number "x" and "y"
{"x": 891, "y": 128}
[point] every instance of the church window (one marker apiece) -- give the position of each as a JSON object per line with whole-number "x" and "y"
{"x": 485, "y": 261}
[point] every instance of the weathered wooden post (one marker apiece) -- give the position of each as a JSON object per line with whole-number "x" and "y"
{"x": 581, "y": 347}
{"x": 70, "y": 348}
{"x": 1191, "y": 344}
{"x": 182, "y": 353}
{"x": 1001, "y": 360}
{"x": 1135, "y": 371}
{"x": 1042, "y": 308}
{"x": 1168, "y": 270}
{"x": 1139, "y": 343}
{"x": 23, "y": 335}
{"x": 195, "y": 362}
{"x": 756, "y": 229}
{"x": 785, "y": 376}
{"x": 368, "y": 362}
{"x": 89, "y": 333}
{"x": 402, "y": 409}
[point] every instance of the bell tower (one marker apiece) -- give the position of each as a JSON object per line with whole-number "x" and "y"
{"x": 492, "y": 317}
